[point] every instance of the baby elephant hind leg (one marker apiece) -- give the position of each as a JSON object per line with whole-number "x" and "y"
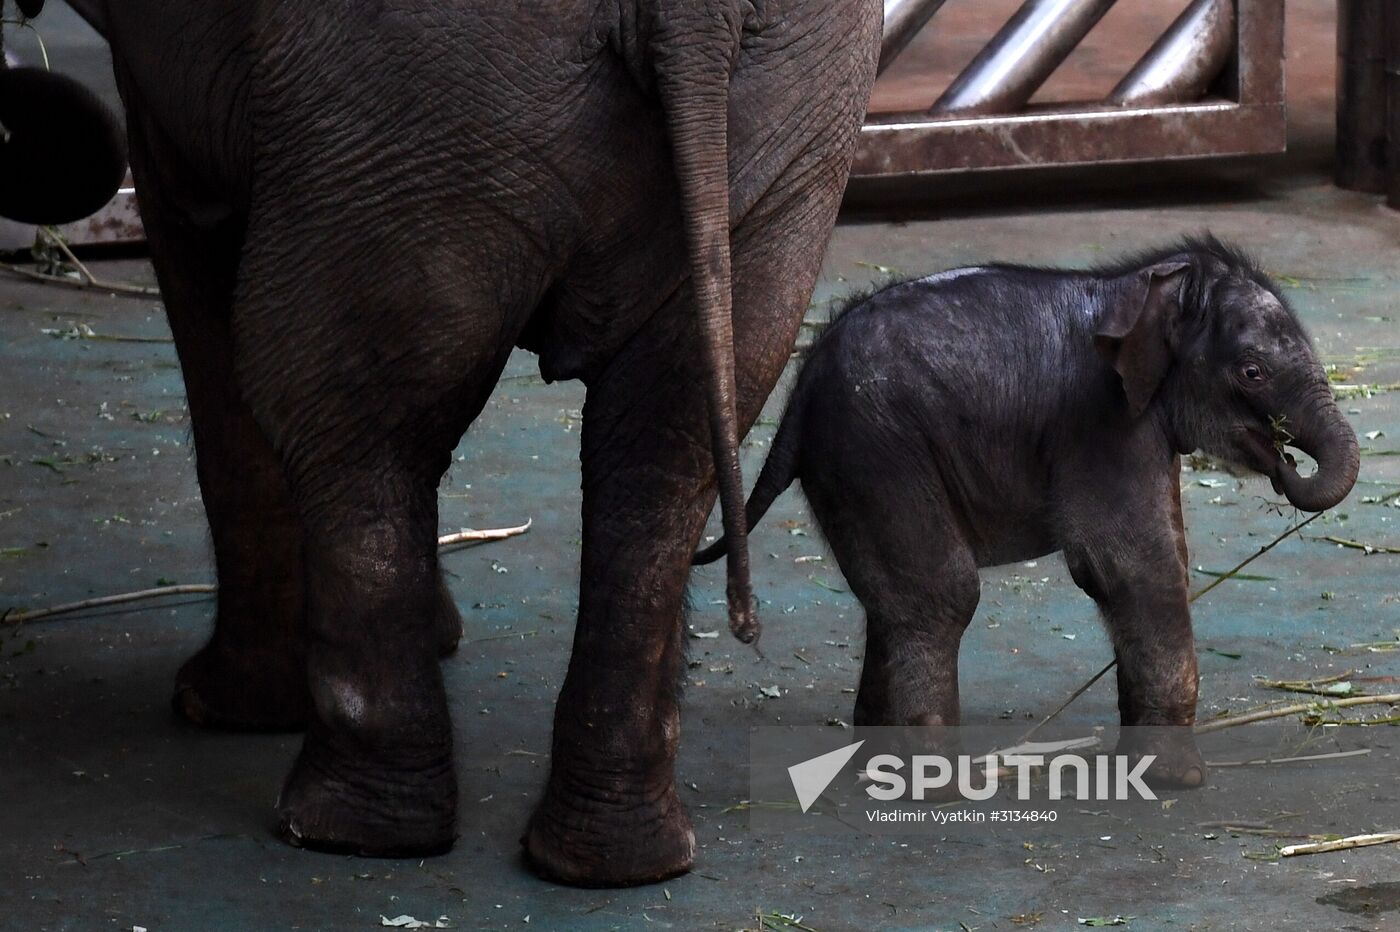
{"x": 917, "y": 579}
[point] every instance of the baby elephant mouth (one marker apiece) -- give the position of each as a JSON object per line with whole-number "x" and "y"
{"x": 1266, "y": 456}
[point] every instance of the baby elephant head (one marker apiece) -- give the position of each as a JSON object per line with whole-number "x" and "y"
{"x": 1205, "y": 340}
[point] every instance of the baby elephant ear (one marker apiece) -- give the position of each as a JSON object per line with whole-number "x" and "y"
{"x": 1137, "y": 335}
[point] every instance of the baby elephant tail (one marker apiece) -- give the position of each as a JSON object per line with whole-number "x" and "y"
{"x": 778, "y": 473}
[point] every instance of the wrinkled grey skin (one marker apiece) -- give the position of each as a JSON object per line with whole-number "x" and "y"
{"x": 355, "y": 211}
{"x": 992, "y": 415}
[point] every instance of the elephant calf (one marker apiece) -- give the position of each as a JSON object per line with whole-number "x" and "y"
{"x": 997, "y": 414}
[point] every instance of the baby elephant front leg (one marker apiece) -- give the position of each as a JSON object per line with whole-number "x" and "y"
{"x": 1144, "y": 601}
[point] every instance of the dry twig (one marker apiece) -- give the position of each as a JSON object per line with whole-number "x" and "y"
{"x": 1284, "y": 711}
{"x": 1360, "y": 545}
{"x": 465, "y": 536}
{"x": 1340, "y": 844}
{"x": 19, "y": 618}
{"x": 85, "y": 280}
{"x": 470, "y": 536}
{"x": 1287, "y": 760}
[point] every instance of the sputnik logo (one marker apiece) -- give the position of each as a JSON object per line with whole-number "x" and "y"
{"x": 811, "y": 777}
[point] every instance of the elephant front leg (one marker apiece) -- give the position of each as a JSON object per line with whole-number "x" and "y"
{"x": 1141, "y": 590}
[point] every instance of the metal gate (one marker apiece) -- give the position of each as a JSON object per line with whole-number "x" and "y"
{"x": 1211, "y": 85}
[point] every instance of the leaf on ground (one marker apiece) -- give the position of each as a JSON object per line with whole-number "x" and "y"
{"x": 408, "y": 922}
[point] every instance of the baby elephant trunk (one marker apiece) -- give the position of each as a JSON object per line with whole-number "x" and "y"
{"x": 1322, "y": 432}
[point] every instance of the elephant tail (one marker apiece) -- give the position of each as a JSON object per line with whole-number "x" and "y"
{"x": 779, "y": 471}
{"x": 693, "y": 51}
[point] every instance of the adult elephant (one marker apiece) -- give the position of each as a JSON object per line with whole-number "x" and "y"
{"x": 355, "y": 210}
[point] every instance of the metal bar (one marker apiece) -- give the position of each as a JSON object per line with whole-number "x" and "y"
{"x": 1182, "y": 63}
{"x": 1091, "y": 136}
{"x": 903, "y": 20}
{"x": 1019, "y": 59}
{"x": 1256, "y": 72}
{"x": 1249, "y": 118}
{"x": 118, "y": 222}
{"x": 1392, "y": 90}
{"x": 1361, "y": 105}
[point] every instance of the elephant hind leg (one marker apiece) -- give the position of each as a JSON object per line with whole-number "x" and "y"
{"x": 365, "y": 394}
{"x": 449, "y": 619}
{"x": 374, "y": 775}
{"x": 905, "y": 558}
{"x": 610, "y": 815}
{"x": 251, "y": 673}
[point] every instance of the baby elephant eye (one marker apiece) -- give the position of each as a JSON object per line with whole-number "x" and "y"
{"x": 1251, "y": 372}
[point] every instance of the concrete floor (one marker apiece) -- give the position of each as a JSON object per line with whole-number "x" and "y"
{"x": 113, "y": 815}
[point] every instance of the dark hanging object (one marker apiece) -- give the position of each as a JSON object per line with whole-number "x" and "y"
{"x": 30, "y": 8}
{"x": 62, "y": 153}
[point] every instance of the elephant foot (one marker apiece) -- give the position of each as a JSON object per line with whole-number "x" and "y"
{"x": 1178, "y": 764}
{"x": 584, "y": 844}
{"x": 337, "y": 805}
{"x": 263, "y": 692}
{"x": 449, "y": 621}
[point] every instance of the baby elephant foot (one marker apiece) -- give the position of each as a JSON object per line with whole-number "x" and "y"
{"x": 609, "y": 838}
{"x": 263, "y": 691}
{"x": 1177, "y": 763}
{"x": 372, "y": 806}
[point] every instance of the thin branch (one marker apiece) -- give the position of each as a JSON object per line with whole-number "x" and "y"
{"x": 1359, "y": 545}
{"x": 465, "y": 536}
{"x": 1284, "y": 711}
{"x": 1217, "y": 581}
{"x": 62, "y": 246}
{"x": 138, "y": 291}
{"x": 1288, "y": 760}
{"x": 19, "y": 618}
{"x": 87, "y": 280}
{"x": 470, "y": 536}
{"x": 1340, "y": 844}
{"x": 1262, "y": 550}
{"x": 1083, "y": 688}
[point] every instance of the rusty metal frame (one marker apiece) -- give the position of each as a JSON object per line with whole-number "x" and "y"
{"x": 1245, "y": 116}
{"x": 118, "y": 223}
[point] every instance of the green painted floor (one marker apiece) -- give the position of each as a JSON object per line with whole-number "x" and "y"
{"x": 113, "y": 815}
